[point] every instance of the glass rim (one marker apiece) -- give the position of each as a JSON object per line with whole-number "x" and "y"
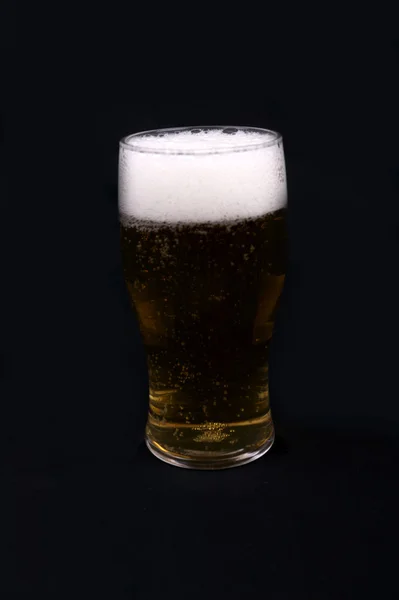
{"x": 273, "y": 138}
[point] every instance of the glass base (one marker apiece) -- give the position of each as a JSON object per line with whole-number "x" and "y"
{"x": 209, "y": 461}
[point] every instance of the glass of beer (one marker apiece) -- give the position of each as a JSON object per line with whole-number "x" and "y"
{"x": 202, "y": 212}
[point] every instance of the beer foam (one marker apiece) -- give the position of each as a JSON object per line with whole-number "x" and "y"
{"x": 197, "y": 175}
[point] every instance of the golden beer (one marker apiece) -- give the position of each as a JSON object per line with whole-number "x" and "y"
{"x": 205, "y": 289}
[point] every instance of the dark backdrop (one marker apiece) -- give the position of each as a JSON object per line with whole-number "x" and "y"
{"x": 88, "y": 510}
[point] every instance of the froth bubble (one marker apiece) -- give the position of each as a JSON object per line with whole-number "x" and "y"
{"x": 230, "y": 130}
{"x": 201, "y": 175}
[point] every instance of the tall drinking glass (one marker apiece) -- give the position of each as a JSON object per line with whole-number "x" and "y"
{"x": 202, "y": 213}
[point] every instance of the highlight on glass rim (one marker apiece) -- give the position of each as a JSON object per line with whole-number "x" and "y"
{"x": 203, "y": 240}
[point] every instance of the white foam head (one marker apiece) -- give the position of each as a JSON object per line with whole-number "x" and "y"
{"x": 201, "y": 174}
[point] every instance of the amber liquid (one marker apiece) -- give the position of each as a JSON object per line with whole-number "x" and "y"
{"x": 205, "y": 296}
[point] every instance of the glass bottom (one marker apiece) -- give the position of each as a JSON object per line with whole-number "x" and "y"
{"x": 209, "y": 461}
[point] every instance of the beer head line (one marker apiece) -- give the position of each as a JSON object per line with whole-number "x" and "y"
{"x": 206, "y": 176}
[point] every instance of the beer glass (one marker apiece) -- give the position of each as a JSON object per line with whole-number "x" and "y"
{"x": 202, "y": 212}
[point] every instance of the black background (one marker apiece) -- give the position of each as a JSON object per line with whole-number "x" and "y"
{"x": 87, "y": 510}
